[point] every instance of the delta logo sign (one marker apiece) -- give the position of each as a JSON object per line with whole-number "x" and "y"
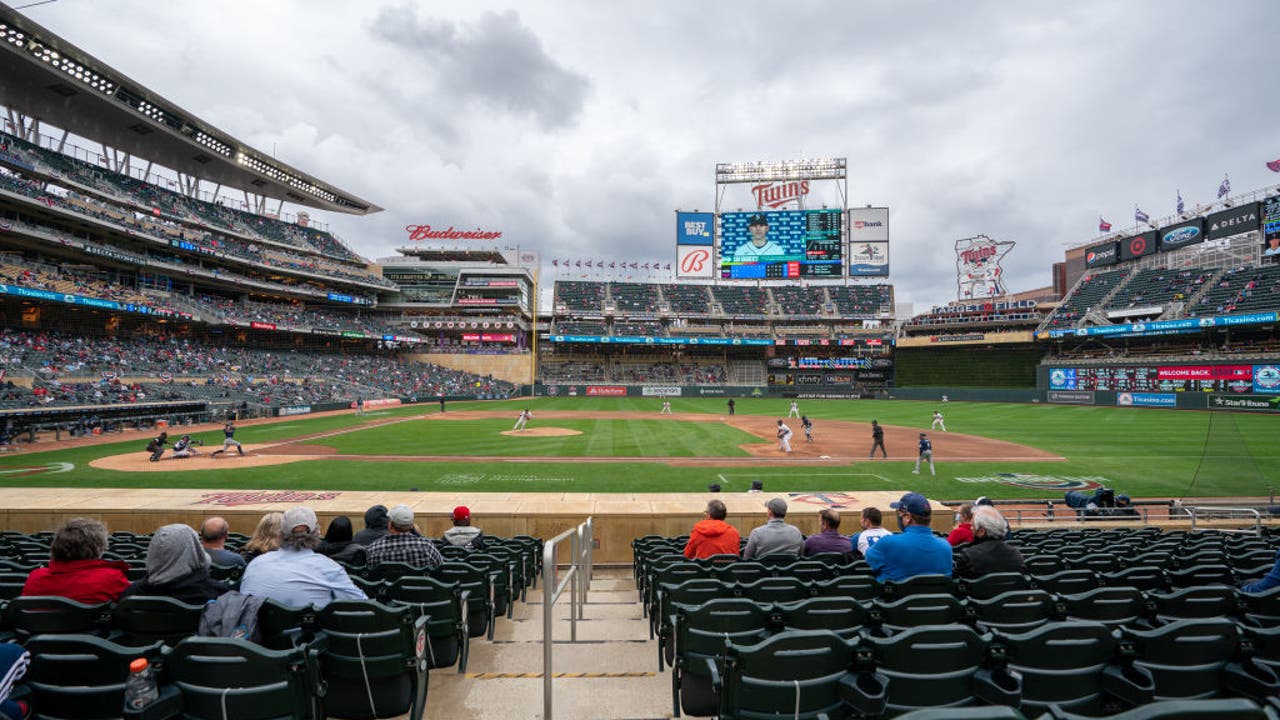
{"x": 1048, "y": 483}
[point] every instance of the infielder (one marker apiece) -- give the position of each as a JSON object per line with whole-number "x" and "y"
{"x": 183, "y": 448}
{"x": 877, "y": 441}
{"x": 926, "y": 453}
{"x": 525, "y": 417}
{"x": 807, "y": 424}
{"x": 795, "y": 409}
{"x": 229, "y": 440}
{"x": 937, "y": 421}
{"x": 784, "y": 437}
{"x": 666, "y": 407}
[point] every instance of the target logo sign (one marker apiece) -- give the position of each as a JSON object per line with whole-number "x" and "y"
{"x": 695, "y": 261}
{"x": 1137, "y": 246}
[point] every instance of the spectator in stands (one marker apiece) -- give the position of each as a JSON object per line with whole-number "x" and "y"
{"x": 178, "y": 567}
{"x": 462, "y": 534}
{"x": 213, "y": 536}
{"x": 828, "y": 539}
{"x": 963, "y": 531}
{"x": 712, "y": 535}
{"x": 914, "y": 551}
{"x": 266, "y": 537}
{"x": 1270, "y": 580}
{"x": 871, "y": 531}
{"x": 989, "y": 553}
{"x": 76, "y": 569}
{"x": 338, "y": 543}
{"x": 775, "y": 537}
{"x": 295, "y": 574}
{"x": 375, "y": 526}
{"x": 14, "y": 660}
{"x": 403, "y": 544}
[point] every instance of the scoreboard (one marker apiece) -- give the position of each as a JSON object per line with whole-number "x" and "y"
{"x": 1155, "y": 378}
{"x": 781, "y": 244}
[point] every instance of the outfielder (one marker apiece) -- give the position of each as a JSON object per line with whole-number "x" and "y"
{"x": 937, "y": 421}
{"x": 525, "y": 417}
{"x": 807, "y": 424}
{"x": 784, "y": 437}
{"x": 795, "y": 409}
{"x": 666, "y": 407}
{"x": 229, "y": 440}
{"x": 926, "y": 453}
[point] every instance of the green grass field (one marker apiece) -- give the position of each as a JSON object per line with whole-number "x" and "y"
{"x": 1144, "y": 452}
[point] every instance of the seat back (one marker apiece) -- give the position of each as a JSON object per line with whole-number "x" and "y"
{"x": 1205, "y": 601}
{"x": 1068, "y": 582}
{"x": 1185, "y": 657}
{"x": 141, "y": 620}
{"x": 859, "y": 587}
{"x": 844, "y": 616}
{"x": 1142, "y": 577}
{"x": 993, "y": 584}
{"x": 1014, "y": 611}
{"x": 1061, "y": 663}
{"x": 776, "y": 590}
{"x": 1108, "y": 605}
{"x": 793, "y": 674}
{"x": 702, "y": 633}
{"x": 444, "y": 606}
{"x": 919, "y": 585}
{"x": 374, "y": 660}
{"x": 919, "y": 610}
{"x": 1201, "y": 575}
{"x": 40, "y": 614}
{"x": 929, "y": 666}
{"x": 231, "y": 678}
{"x": 80, "y": 676}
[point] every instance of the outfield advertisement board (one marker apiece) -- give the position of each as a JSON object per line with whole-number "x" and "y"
{"x": 606, "y": 391}
{"x": 1181, "y": 235}
{"x": 1246, "y": 403}
{"x": 695, "y": 228}
{"x": 1168, "y": 327}
{"x": 1164, "y": 400}
{"x": 1141, "y": 379}
{"x": 1101, "y": 255}
{"x": 868, "y": 259}
{"x": 660, "y": 391}
{"x": 1070, "y": 397}
{"x": 1235, "y": 221}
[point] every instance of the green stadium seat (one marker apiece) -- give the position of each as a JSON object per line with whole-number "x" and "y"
{"x": 1142, "y": 577}
{"x": 842, "y": 615}
{"x": 444, "y": 604}
{"x": 1225, "y": 709}
{"x": 1261, "y": 608}
{"x": 776, "y": 590}
{"x": 1112, "y": 606}
{"x": 80, "y": 676}
{"x": 940, "y": 666}
{"x": 374, "y": 662}
{"x": 993, "y": 584}
{"x": 1014, "y": 611}
{"x": 1196, "y": 659}
{"x": 479, "y": 586}
{"x": 701, "y": 633}
{"x": 1195, "y": 602}
{"x": 689, "y": 593}
{"x": 915, "y": 611}
{"x": 140, "y": 620}
{"x": 1067, "y": 582}
{"x": 919, "y": 585}
{"x": 38, "y": 614}
{"x": 992, "y": 712}
{"x": 859, "y": 587}
{"x": 221, "y": 678}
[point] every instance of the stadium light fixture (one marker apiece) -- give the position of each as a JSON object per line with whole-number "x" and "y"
{"x": 812, "y": 169}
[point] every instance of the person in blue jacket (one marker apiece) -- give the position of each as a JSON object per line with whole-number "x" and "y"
{"x": 1270, "y": 580}
{"x": 915, "y": 550}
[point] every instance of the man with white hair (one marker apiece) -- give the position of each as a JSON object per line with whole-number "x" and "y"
{"x": 989, "y": 553}
{"x": 296, "y": 574}
{"x": 403, "y": 544}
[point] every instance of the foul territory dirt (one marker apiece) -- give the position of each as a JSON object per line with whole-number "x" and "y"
{"x": 834, "y": 442}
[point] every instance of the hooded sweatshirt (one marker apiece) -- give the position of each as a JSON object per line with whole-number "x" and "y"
{"x": 375, "y": 526}
{"x": 178, "y": 567}
{"x": 465, "y": 536}
{"x": 712, "y": 537}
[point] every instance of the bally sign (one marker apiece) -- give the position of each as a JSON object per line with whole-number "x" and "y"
{"x": 694, "y": 261}
{"x": 775, "y": 195}
{"x": 418, "y": 233}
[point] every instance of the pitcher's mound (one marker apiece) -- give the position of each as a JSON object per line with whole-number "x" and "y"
{"x": 542, "y": 432}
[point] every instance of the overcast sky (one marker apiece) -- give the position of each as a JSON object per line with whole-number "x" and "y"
{"x": 576, "y": 128}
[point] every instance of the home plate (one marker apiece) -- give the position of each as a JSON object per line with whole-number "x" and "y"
{"x": 824, "y": 457}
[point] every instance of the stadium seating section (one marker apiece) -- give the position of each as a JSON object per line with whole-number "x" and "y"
{"x": 634, "y": 298}
{"x": 728, "y": 301}
{"x": 1104, "y": 621}
{"x": 1091, "y": 290}
{"x": 1240, "y": 290}
{"x": 1157, "y": 287}
{"x": 737, "y": 301}
{"x": 862, "y": 300}
{"x": 687, "y": 299}
{"x": 586, "y": 298}
{"x": 634, "y": 370}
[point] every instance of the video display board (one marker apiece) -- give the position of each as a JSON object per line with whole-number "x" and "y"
{"x": 783, "y": 244}
{"x": 1162, "y": 378}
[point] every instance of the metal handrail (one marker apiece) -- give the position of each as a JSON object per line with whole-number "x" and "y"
{"x": 1206, "y": 511}
{"x": 578, "y": 579}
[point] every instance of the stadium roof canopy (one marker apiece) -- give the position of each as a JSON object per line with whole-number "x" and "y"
{"x": 48, "y": 78}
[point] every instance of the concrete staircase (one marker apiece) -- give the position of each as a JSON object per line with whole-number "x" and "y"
{"x": 609, "y": 674}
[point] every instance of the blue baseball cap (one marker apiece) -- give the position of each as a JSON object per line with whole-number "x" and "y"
{"x": 914, "y": 503}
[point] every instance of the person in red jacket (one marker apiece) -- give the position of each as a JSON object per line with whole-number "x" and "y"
{"x": 713, "y": 536}
{"x": 963, "y": 531}
{"x": 76, "y": 568}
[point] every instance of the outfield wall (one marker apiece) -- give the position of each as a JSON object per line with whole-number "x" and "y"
{"x": 981, "y": 367}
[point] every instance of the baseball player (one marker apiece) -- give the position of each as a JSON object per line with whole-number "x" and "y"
{"x": 184, "y": 448}
{"x": 666, "y": 407}
{"x": 877, "y": 440}
{"x": 795, "y": 410}
{"x": 807, "y": 424}
{"x": 229, "y": 440}
{"x": 156, "y": 446}
{"x": 359, "y": 406}
{"x": 926, "y": 453}
{"x": 784, "y": 437}
{"x": 937, "y": 421}
{"x": 525, "y": 417}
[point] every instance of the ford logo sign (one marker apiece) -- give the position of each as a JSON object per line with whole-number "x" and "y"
{"x": 1182, "y": 236}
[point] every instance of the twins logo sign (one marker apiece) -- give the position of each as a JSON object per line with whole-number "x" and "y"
{"x": 694, "y": 261}
{"x": 978, "y": 271}
{"x": 1050, "y": 483}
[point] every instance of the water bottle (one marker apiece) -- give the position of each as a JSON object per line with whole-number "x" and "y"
{"x": 140, "y": 688}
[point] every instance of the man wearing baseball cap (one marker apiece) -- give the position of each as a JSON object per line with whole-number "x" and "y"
{"x": 775, "y": 537}
{"x": 760, "y": 247}
{"x": 462, "y": 534}
{"x": 296, "y": 574}
{"x": 915, "y": 550}
{"x": 402, "y": 543}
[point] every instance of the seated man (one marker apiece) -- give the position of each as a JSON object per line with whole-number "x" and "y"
{"x": 828, "y": 539}
{"x": 402, "y": 543}
{"x": 989, "y": 553}
{"x": 462, "y": 534}
{"x": 915, "y": 550}
{"x": 712, "y": 535}
{"x": 871, "y": 531}
{"x": 775, "y": 537}
{"x": 296, "y": 574}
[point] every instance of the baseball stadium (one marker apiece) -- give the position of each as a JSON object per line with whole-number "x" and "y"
{"x": 188, "y": 351}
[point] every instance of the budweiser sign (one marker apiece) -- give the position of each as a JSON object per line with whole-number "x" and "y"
{"x": 418, "y": 233}
{"x": 775, "y": 195}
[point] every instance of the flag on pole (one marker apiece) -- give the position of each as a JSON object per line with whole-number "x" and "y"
{"x": 1181, "y": 206}
{"x": 1103, "y": 225}
{"x": 1140, "y": 216}
{"x": 1274, "y": 166}
{"x": 1225, "y": 188}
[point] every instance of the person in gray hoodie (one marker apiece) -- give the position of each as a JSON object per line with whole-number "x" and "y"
{"x": 375, "y": 526}
{"x": 775, "y": 537}
{"x": 462, "y": 534}
{"x": 177, "y": 567}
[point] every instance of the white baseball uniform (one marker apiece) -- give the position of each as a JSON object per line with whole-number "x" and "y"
{"x": 525, "y": 417}
{"x": 784, "y": 438}
{"x": 937, "y": 422}
{"x": 795, "y": 409}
